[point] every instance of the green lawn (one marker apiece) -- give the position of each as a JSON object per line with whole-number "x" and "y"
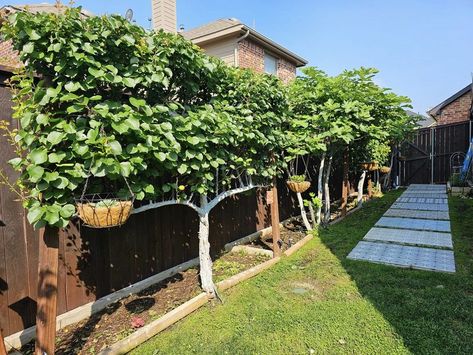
{"x": 349, "y": 307}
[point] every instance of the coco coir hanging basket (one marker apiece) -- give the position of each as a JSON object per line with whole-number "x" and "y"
{"x": 369, "y": 166}
{"x": 104, "y": 210}
{"x": 384, "y": 170}
{"x": 299, "y": 187}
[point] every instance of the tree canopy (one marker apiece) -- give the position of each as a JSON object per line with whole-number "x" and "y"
{"x": 100, "y": 94}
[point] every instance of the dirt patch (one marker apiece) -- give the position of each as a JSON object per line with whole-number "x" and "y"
{"x": 121, "y": 319}
{"x": 292, "y": 232}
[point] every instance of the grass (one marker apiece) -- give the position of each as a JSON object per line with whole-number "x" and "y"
{"x": 340, "y": 306}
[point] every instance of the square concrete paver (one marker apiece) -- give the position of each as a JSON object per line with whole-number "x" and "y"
{"x": 410, "y": 237}
{"x": 421, "y": 206}
{"x": 404, "y": 256}
{"x": 414, "y": 224}
{"x": 425, "y": 195}
{"x": 422, "y": 200}
{"x": 435, "y": 215}
{"x": 427, "y": 187}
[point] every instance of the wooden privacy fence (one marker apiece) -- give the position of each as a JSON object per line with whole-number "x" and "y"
{"x": 427, "y": 155}
{"x": 94, "y": 263}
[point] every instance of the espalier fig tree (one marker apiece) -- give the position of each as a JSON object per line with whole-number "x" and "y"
{"x": 100, "y": 96}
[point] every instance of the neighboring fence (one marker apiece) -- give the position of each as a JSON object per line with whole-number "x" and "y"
{"x": 428, "y": 153}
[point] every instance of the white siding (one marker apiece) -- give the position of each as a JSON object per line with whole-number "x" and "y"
{"x": 224, "y": 50}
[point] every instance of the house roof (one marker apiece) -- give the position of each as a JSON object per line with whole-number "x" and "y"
{"x": 42, "y": 7}
{"x": 424, "y": 121}
{"x": 230, "y": 27}
{"x": 436, "y": 110}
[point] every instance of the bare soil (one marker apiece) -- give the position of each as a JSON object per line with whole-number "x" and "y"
{"x": 292, "y": 232}
{"x": 122, "y": 318}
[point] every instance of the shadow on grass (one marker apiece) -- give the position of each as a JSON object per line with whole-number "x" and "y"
{"x": 432, "y": 312}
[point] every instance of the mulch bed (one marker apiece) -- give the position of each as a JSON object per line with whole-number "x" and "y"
{"x": 293, "y": 231}
{"x": 122, "y": 318}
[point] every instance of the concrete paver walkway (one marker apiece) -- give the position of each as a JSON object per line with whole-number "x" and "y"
{"x": 413, "y": 233}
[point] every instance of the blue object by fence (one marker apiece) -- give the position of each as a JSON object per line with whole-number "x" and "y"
{"x": 467, "y": 162}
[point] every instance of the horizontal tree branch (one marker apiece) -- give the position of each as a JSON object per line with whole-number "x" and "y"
{"x": 200, "y": 210}
{"x": 154, "y": 205}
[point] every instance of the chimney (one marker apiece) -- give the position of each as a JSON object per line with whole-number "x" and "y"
{"x": 164, "y": 15}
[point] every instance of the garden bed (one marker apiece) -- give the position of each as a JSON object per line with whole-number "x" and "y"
{"x": 292, "y": 232}
{"x": 122, "y": 318}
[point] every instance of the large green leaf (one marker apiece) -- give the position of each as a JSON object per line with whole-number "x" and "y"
{"x": 38, "y": 156}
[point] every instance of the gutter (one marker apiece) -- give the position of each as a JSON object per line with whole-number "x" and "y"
{"x": 237, "y": 47}
{"x": 280, "y": 49}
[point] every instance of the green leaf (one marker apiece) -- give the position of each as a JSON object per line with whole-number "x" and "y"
{"x": 182, "y": 169}
{"x": 72, "y": 86}
{"x": 28, "y": 48}
{"x": 51, "y": 216}
{"x": 56, "y": 157}
{"x": 55, "y": 137}
{"x": 160, "y": 156}
{"x": 15, "y": 162}
{"x": 125, "y": 169}
{"x": 35, "y": 173}
{"x": 133, "y": 123}
{"x": 96, "y": 73}
{"x": 32, "y": 34}
{"x": 149, "y": 189}
{"x": 137, "y": 102}
{"x": 193, "y": 140}
{"x": 115, "y": 147}
{"x": 26, "y": 119}
{"x": 67, "y": 211}
{"x": 38, "y": 156}
{"x": 129, "y": 82}
{"x": 75, "y": 108}
{"x": 61, "y": 183}
{"x": 35, "y": 214}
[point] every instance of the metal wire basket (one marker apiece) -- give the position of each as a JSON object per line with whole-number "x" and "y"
{"x": 104, "y": 210}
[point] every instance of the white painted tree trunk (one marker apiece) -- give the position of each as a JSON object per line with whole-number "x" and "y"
{"x": 378, "y": 182}
{"x": 327, "y": 190}
{"x": 320, "y": 191}
{"x": 303, "y": 213}
{"x": 312, "y": 216}
{"x": 361, "y": 183}
{"x": 205, "y": 260}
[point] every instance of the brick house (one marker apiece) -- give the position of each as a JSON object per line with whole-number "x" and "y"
{"x": 234, "y": 42}
{"x": 9, "y": 59}
{"x": 457, "y": 108}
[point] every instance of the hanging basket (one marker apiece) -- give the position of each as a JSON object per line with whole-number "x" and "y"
{"x": 298, "y": 186}
{"x": 104, "y": 210}
{"x": 385, "y": 170}
{"x": 369, "y": 166}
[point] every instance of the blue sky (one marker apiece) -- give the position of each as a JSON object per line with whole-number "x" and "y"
{"x": 423, "y": 48}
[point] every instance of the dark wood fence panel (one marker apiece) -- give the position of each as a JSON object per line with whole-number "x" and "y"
{"x": 449, "y": 139}
{"x": 417, "y": 166}
{"x": 428, "y": 153}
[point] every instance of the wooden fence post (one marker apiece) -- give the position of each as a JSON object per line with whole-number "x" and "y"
{"x": 47, "y": 291}
{"x": 275, "y": 220}
{"x": 345, "y": 184}
{"x": 3, "y": 350}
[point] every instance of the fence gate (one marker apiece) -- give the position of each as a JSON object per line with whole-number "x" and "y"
{"x": 427, "y": 154}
